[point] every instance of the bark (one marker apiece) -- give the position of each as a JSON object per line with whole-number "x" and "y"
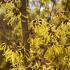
{"x": 25, "y": 34}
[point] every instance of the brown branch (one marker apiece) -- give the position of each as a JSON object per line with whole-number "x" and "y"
{"x": 25, "y": 34}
